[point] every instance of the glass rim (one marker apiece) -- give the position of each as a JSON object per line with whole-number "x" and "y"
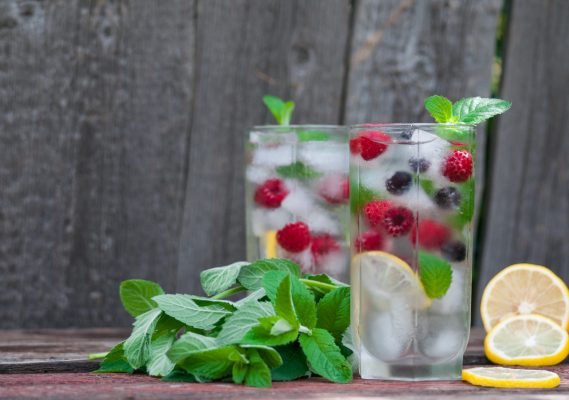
{"x": 408, "y": 124}
{"x": 299, "y": 126}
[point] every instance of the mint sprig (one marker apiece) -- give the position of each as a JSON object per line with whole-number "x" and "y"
{"x": 470, "y": 110}
{"x": 297, "y": 170}
{"x": 289, "y": 326}
{"x": 281, "y": 110}
{"x": 435, "y": 274}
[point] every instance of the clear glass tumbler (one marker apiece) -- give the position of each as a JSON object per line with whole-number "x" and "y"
{"x": 297, "y": 195}
{"x": 412, "y": 203}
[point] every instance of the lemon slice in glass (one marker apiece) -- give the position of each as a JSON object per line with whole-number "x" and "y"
{"x": 510, "y": 378}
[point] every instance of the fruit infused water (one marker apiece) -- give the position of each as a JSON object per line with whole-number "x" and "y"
{"x": 412, "y": 202}
{"x": 297, "y": 196}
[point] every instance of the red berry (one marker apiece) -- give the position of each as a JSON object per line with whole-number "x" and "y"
{"x": 458, "y": 166}
{"x": 370, "y": 144}
{"x": 398, "y": 221}
{"x": 370, "y": 240}
{"x": 335, "y": 189}
{"x": 432, "y": 234}
{"x": 271, "y": 193}
{"x": 294, "y": 237}
{"x": 322, "y": 245}
{"x": 375, "y": 211}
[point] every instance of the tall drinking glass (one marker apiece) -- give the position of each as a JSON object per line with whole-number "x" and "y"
{"x": 297, "y": 196}
{"x": 412, "y": 201}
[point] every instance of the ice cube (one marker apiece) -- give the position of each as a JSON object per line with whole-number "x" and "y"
{"x": 443, "y": 343}
{"x": 269, "y": 219}
{"x": 433, "y": 149}
{"x": 257, "y": 174}
{"x": 335, "y": 264}
{"x": 320, "y": 220}
{"x": 303, "y": 259}
{"x": 274, "y": 155}
{"x": 299, "y": 201}
{"x": 325, "y": 156}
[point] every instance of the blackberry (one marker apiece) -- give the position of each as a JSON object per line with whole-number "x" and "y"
{"x": 454, "y": 251}
{"x": 399, "y": 183}
{"x": 407, "y": 135}
{"x": 447, "y": 197}
{"x": 419, "y": 165}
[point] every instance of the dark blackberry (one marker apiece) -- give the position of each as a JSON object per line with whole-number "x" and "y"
{"x": 419, "y": 165}
{"x": 447, "y": 197}
{"x": 399, "y": 183}
{"x": 454, "y": 251}
{"x": 407, "y": 135}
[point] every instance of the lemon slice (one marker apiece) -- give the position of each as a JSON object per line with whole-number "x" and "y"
{"x": 525, "y": 289}
{"x": 387, "y": 275}
{"x": 270, "y": 242}
{"x": 510, "y": 378}
{"x": 530, "y": 340}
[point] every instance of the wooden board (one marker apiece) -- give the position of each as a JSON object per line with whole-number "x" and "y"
{"x": 528, "y": 218}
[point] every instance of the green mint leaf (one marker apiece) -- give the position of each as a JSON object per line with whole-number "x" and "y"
{"x": 435, "y": 274}
{"x": 204, "y": 301}
{"x": 242, "y": 320}
{"x": 456, "y": 133}
{"x": 428, "y": 186}
{"x": 474, "y": 110}
{"x": 180, "y": 376}
{"x": 238, "y": 372}
{"x": 216, "y": 280}
{"x": 258, "y": 373}
{"x": 297, "y": 170}
{"x": 137, "y": 346}
{"x": 271, "y": 357}
{"x": 334, "y": 312}
{"x": 183, "y": 308}
{"x": 324, "y": 356}
{"x": 360, "y": 196}
{"x": 271, "y": 282}
{"x": 136, "y": 295}
{"x": 440, "y": 108}
{"x": 159, "y": 363}
{"x": 189, "y": 343}
{"x": 293, "y": 365}
{"x": 211, "y": 364}
{"x": 253, "y": 296}
{"x": 284, "y": 307}
{"x": 251, "y": 276}
{"x": 312, "y": 136}
{"x": 261, "y": 334}
{"x": 281, "y": 111}
{"x": 287, "y": 111}
{"x": 166, "y": 325}
{"x": 465, "y": 212}
{"x": 115, "y": 361}
{"x": 304, "y": 303}
{"x": 280, "y": 327}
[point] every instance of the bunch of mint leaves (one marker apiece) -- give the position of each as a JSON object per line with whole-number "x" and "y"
{"x": 469, "y": 110}
{"x": 288, "y": 326}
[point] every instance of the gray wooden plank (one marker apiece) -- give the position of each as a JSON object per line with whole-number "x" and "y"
{"x": 294, "y": 49}
{"x": 528, "y": 217}
{"x": 95, "y": 99}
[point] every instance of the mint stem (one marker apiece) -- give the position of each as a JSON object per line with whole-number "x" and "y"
{"x": 305, "y": 330}
{"x": 228, "y": 292}
{"x": 97, "y": 356}
{"x": 319, "y": 285}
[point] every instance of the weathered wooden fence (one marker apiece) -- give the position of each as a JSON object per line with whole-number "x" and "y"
{"x": 122, "y": 126}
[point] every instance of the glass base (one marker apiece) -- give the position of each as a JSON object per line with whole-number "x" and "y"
{"x": 410, "y": 370}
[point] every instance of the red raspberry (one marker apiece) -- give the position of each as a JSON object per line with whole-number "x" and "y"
{"x": 458, "y": 166}
{"x": 335, "y": 189}
{"x": 375, "y": 211}
{"x": 368, "y": 145}
{"x": 322, "y": 245}
{"x": 432, "y": 234}
{"x": 271, "y": 193}
{"x": 398, "y": 221}
{"x": 294, "y": 237}
{"x": 370, "y": 240}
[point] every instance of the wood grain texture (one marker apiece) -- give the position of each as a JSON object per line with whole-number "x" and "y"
{"x": 95, "y": 99}
{"x": 528, "y": 219}
{"x": 293, "y": 49}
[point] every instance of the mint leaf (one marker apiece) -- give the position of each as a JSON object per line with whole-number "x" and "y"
{"x": 159, "y": 363}
{"x": 211, "y": 364}
{"x": 271, "y": 357}
{"x": 137, "y": 346}
{"x": 136, "y": 295}
{"x": 294, "y": 363}
{"x": 435, "y": 274}
{"x": 360, "y": 196}
{"x": 188, "y": 343}
{"x": 312, "y": 136}
{"x": 465, "y": 212}
{"x": 184, "y": 309}
{"x": 428, "y": 186}
{"x": 258, "y": 374}
{"x": 281, "y": 111}
{"x": 216, "y": 280}
{"x": 297, "y": 170}
{"x": 324, "y": 356}
{"x": 251, "y": 276}
{"x": 286, "y": 114}
{"x": 180, "y": 376}
{"x": 456, "y": 133}
{"x": 115, "y": 361}
{"x": 242, "y": 320}
{"x": 304, "y": 304}
{"x": 204, "y": 301}
{"x": 280, "y": 327}
{"x": 440, "y": 108}
{"x": 238, "y": 372}
{"x": 261, "y": 333}
{"x": 253, "y": 296}
{"x": 271, "y": 282}
{"x": 334, "y": 312}
{"x": 283, "y": 304}
{"x": 474, "y": 110}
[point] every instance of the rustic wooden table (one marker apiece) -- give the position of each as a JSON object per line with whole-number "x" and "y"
{"x": 52, "y": 364}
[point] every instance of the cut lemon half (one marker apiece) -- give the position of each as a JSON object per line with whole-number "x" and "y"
{"x": 387, "y": 275}
{"x": 510, "y": 378}
{"x": 525, "y": 289}
{"x": 530, "y": 340}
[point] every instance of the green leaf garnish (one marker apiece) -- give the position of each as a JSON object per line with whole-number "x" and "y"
{"x": 325, "y": 357}
{"x": 281, "y": 110}
{"x": 440, "y": 108}
{"x": 334, "y": 312}
{"x": 470, "y": 110}
{"x": 115, "y": 361}
{"x": 183, "y": 308}
{"x": 216, "y": 280}
{"x": 251, "y": 276}
{"x": 136, "y": 295}
{"x": 159, "y": 364}
{"x": 297, "y": 170}
{"x": 137, "y": 346}
{"x": 435, "y": 274}
{"x": 360, "y": 196}
{"x": 312, "y": 136}
{"x": 294, "y": 363}
{"x": 242, "y": 320}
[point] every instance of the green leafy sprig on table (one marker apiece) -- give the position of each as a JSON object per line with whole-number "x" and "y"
{"x": 288, "y": 326}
